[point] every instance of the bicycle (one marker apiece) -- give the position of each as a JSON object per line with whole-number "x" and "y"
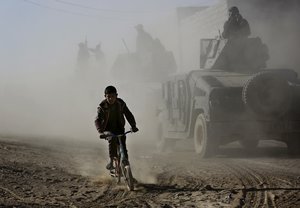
{"x": 120, "y": 163}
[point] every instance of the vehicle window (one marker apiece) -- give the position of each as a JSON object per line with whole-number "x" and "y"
{"x": 213, "y": 49}
{"x": 174, "y": 95}
{"x": 169, "y": 94}
{"x": 182, "y": 100}
{"x": 205, "y": 46}
{"x": 182, "y": 93}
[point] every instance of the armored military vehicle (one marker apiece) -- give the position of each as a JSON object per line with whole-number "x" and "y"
{"x": 149, "y": 67}
{"x": 233, "y": 97}
{"x": 152, "y": 64}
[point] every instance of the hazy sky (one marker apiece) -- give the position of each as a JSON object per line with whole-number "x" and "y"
{"x": 39, "y": 29}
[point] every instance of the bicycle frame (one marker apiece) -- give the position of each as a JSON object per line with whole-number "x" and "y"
{"x": 121, "y": 170}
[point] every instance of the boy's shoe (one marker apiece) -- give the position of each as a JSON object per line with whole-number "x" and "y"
{"x": 110, "y": 166}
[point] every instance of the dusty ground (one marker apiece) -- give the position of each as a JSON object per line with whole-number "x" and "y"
{"x": 54, "y": 173}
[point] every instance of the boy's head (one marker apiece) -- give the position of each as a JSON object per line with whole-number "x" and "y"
{"x": 110, "y": 94}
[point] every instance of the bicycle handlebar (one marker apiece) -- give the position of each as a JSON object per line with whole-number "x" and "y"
{"x": 109, "y": 134}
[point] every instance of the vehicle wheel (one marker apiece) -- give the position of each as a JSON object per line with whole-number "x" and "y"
{"x": 204, "y": 146}
{"x": 267, "y": 94}
{"x": 164, "y": 144}
{"x": 249, "y": 144}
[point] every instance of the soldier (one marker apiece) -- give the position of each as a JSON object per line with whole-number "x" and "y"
{"x": 144, "y": 41}
{"x": 99, "y": 55}
{"x": 236, "y": 26}
{"x": 83, "y": 55}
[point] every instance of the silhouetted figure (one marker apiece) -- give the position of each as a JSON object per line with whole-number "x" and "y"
{"x": 236, "y": 26}
{"x": 99, "y": 55}
{"x": 83, "y": 55}
{"x": 144, "y": 41}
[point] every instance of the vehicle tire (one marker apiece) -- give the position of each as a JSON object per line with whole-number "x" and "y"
{"x": 267, "y": 94}
{"x": 164, "y": 144}
{"x": 204, "y": 146}
{"x": 129, "y": 178}
{"x": 249, "y": 144}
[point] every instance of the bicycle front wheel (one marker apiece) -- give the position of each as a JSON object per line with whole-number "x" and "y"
{"x": 128, "y": 177}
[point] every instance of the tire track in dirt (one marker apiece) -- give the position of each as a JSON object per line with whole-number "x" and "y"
{"x": 197, "y": 182}
{"x": 282, "y": 183}
{"x": 248, "y": 196}
{"x": 265, "y": 184}
{"x": 175, "y": 187}
{"x": 170, "y": 180}
{"x": 262, "y": 186}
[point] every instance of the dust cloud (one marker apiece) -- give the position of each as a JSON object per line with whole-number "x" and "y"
{"x": 43, "y": 92}
{"x": 45, "y": 95}
{"x": 276, "y": 22}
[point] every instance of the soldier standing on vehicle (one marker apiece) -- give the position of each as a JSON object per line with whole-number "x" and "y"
{"x": 144, "y": 41}
{"x": 99, "y": 55}
{"x": 236, "y": 26}
{"x": 110, "y": 117}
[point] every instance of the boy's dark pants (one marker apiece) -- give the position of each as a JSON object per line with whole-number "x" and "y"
{"x": 112, "y": 146}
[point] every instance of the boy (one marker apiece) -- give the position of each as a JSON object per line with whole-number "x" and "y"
{"x": 110, "y": 117}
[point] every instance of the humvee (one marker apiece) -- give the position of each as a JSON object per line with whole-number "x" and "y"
{"x": 233, "y": 97}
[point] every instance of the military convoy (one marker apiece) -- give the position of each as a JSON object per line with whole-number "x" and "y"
{"x": 233, "y": 97}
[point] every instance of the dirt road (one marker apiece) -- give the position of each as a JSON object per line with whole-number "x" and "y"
{"x": 53, "y": 173}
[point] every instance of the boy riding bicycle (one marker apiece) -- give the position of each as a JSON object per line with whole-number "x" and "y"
{"x": 110, "y": 117}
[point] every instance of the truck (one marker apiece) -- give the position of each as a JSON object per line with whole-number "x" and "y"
{"x": 233, "y": 97}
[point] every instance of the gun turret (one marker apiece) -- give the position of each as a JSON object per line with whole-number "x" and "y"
{"x": 243, "y": 54}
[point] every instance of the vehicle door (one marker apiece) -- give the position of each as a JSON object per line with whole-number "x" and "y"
{"x": 182, "y": 105}
{"x": 179, "y": 111}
